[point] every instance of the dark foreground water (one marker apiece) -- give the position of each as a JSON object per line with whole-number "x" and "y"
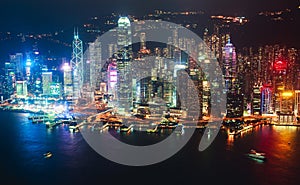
{"x": 74, "y": 162}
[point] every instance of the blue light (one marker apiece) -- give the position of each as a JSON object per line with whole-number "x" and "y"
{"x": 28, "y": 62}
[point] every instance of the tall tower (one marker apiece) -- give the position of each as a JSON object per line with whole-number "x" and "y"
{"x": 77, "y": 65}
{"x": 234, "y": 97}
{"x": 124, "y": 57}
{"x": 229, "y": 65}
{"x": 266, "y": 99}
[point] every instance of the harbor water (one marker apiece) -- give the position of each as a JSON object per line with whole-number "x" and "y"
{"x": 75, "y": 162}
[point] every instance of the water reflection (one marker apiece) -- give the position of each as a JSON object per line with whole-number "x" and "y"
{"x": 230, "y": 142}
{"x": 25, "y": 143}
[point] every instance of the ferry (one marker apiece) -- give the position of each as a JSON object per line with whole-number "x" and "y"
{"x": 48, "y": 155}
{"x": 257, "y": 155}
{"x": 155, "y": 130}
{"x": 124, "y": 128}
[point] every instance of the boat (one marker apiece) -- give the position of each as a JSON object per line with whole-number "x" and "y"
{"x": 48, "y": 124}
{"x": 257, "y": 155}
{"x": 179, "y": 129}
{"x": 48, "y": 155}
{"x": 124, "y": 128}
{"x": 73, "y": 126}
{"x": 155, "y": 130}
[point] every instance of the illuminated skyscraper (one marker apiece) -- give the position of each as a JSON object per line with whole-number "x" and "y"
{"x": 279, "y": 81}
{"x": 21, "y": 87}
{"x": 17, "y": 60}
{"x": 112, "y": 77}
{"x": 46, "y": 81}
{"x": 297, "y": 103}
{"x": 92, "y": 66}
{"x": 27, "y": 69}
{"x": 197, "y": 76}
{"x": 68, "y": 86}
{"x": 266, "y": 100}
{"x": 124, "y": 57}
{"x": 77, "y": 65}
{"x": 256, "y": 100}
{"x": 95, "y": 64}
{"x": 234, "y": 97}
{"x": 293, "y": 68}
{"x": 9, "y": 79}
{"x": 229, "y": 66}
{"x": 124, "y": 41}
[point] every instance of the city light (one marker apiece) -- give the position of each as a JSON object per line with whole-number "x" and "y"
{"x": 66, "y": 67}
{"x": 28, "y": 62}
{"x": 287, "y": 94}
{"x": 134, "y": 88}
{"x": 280, "y": 65}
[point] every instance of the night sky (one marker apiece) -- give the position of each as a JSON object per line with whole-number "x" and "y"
{"x": 31, "y": 15}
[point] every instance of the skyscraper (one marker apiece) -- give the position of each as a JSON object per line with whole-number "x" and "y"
{"x": 266, "y": 100}
{"x": 112, "y": 77}
{"x": 68, "y": 86}
{"x": 124, "y": 57}
{"x": 21, "y": 88}
{"x": 297, "y": 103}
{"x": 47, "y": 81}
{"x": 9, "y": 79}
{"x": 77, "y": 65}
{"x": 234, "y": 97}
{"x": 17, "y": 60}
{"x": 95, "y": 64}
{"x": 229, "y": 66}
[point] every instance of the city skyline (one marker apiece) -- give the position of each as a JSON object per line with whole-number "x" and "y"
{"x": 170, "y": 92}
{"x": 246, "y": 72}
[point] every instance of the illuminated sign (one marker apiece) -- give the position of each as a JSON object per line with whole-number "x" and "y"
{"x": 280, "y": 65}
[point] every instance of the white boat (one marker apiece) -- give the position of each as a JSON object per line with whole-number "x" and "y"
{"x": 48, "y": 155}
{"x": 257, "y": 155}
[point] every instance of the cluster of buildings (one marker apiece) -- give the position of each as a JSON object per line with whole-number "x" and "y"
{"x": 27, "y": 75}
{"x": 118, "y": 75}
{"x": 257, "y": 81}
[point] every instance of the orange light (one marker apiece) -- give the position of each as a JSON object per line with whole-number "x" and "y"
{"x": 280, "y": 88}
{"x": 287, "y": 94}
